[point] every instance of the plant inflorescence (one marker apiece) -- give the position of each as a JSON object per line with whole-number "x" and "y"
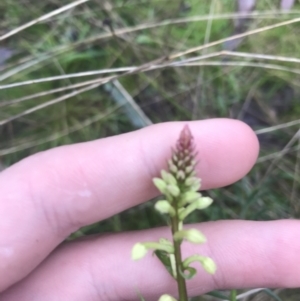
{"x": 180, "y": 187}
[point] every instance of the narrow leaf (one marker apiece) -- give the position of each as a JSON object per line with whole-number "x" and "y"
{"x": 164, "y": 257}
{"x": 218, "y": 295}
{"x": 272, "y": 294}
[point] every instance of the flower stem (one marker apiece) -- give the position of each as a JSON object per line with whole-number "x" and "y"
{"x": 178, "y": 259}
{"x": 233, "y": 295}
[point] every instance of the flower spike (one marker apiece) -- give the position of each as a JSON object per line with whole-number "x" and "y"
{"x": 180, "y": 186}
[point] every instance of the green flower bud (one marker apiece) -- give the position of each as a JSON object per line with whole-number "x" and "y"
{"x": 173, "y": 190}
{"x": 180, "y": 175}
{"x": 168, "y": 178}
{"x": 189, "y": 197}
{"x": 193, "y": 162}
{"x": 196, "y": 186}
{"x": 193, "y": 182}
{"x": 138, "y": 251}
{"x": 194, "y": 174}
{"x": 191, "y": 235}
{"x": 173, "y": 169}
{"x": 172, "y": 166}
{"x": 187, "y": 159}
{"x": 207, "y": 263}
{"x": 166, "y": 298}
{"x": 204, "y": 202}
{"x": 160, "y": 185}
{"x": 180, "y": 163}
{"x": 188, "y": 169}
{"x": 199, "y": 204}
{"x": 163, "y": 246}
{"x": 164, "y": 207}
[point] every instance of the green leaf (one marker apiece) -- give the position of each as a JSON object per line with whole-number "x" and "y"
{"x": 233, "y": 295}
{"x": 272, "y": 294}
{"x": 164, "y": 257}
{"x": 138, "y": 251}
{"x": 218, "y": 295}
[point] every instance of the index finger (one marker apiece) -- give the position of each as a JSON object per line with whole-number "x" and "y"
{"x": 50, "y": 195}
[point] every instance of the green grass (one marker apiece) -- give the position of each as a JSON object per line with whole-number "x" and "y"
{"x": 77, "y": 41}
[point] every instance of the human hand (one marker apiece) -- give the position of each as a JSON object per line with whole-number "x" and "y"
{"x": 47, "y": 196}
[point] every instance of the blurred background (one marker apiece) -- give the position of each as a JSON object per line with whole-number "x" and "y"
{"x": 82, "y": 70}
